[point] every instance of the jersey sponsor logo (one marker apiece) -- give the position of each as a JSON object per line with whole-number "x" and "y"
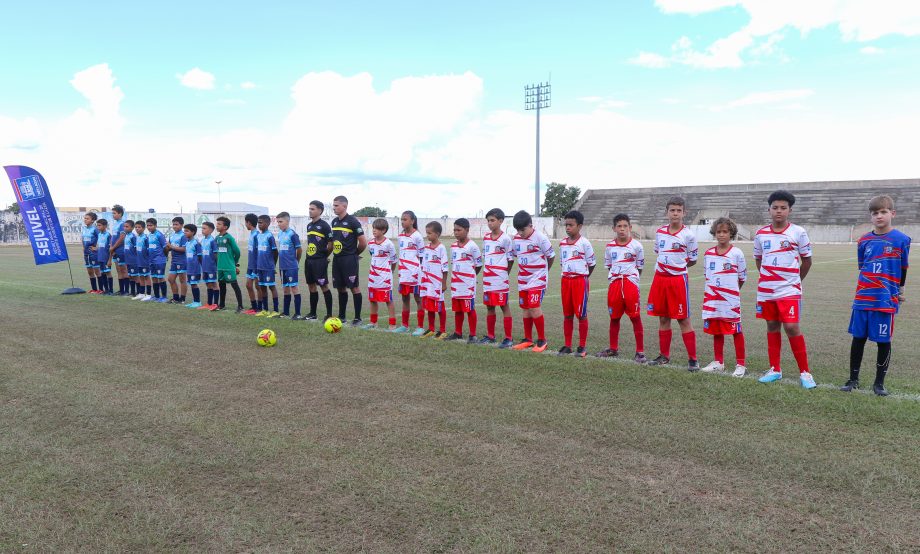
{"x": 336, "y": 247}
{"x": 311, "y": 249}
{"x": 712, "y": 265}
{"x": 661, "y": 243}
{"x": 766, "y": 244}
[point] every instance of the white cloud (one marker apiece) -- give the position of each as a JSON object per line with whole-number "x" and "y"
{"x": 860, "y": 20}
{"x": 247, "y": 85}
{"x": 591, "y": 99}
{"x": 770, "y": 97}
{"x": 871, "y": 50}
{"x": 197, "y": 79}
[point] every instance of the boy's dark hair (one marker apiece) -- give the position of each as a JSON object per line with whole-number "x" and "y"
{"x": 251, "y": 219}
{"x": 576, "y": 215}
{"x": 265, "y": 218}
{"x": 178, "y": 219}
{"x": 102, "y": 222}
{"x": 463, "y": 223}
{"x": 880, "y": 202}
{"x": 139, "y": 222}
{"x": 782, "y": 196}
{"x": 208, "y": 224}
{"x": 412, "y": 216}
{"x": 521, "y": 220}
{"x": 732, "y": 227}
{"x": 130, "y": 222}
{"x": 191, "y": 227}
{"x": 340, "y": 199}
{"x": 225, "y": 220}
{"x": 675, "y": 201}
{"x": 152, "y": 220}
{"x": 435, "y": 226}
{"x": 381, "y": 224}
{"x": 318, "y": 204}
{"x": 118, "y": 209}
{"x": 497, "y": 213}
{"x": 284, "y": 215}
{"x": 92, "y": 215}
{"x": 621, "y": 217}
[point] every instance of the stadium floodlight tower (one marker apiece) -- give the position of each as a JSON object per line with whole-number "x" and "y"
{"x": 537, "y": 97}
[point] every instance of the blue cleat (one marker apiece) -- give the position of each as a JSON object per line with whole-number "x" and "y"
{"x": 193, "y": 305}
{"x": 163, "y": 300}
{"x": 400, "y": 329}
{"x": 807, "y": 380}
{"x": 771, "y": 376}
{"x": 419, "y": 332}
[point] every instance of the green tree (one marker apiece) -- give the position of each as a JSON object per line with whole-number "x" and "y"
{"x": 370, "y": 211}
{"x": 559, "y": 199}
{"x": 14, "y": 207}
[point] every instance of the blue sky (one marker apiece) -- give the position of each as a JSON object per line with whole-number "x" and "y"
{"x": 640, "y": 88}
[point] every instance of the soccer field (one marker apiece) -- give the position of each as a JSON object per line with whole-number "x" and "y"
{"x": 139, "y": 426}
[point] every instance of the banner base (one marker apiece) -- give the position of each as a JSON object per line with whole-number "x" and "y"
{"x": 74, "y": 290}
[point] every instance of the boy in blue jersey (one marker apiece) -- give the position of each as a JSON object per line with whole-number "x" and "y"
{"x": 252, "y": 276}
{"x": 882, "y": 260}
{"x": 176, "y": 245}
{"x": 209, "y": 265}
{"x": 130, "y": 257}
{"x": 103, "y": 242}
{"x": 90, "y": 235}
{"x": 192, "y": 263}
{"x": 141, "y": 262}
{"x": 117, "y": 249}
{"x": 156, "y": 252}
{"x": 266, "y": 258}
{"x": 289, "y": 252}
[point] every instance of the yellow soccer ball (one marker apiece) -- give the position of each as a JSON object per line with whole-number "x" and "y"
{"x": 266, "y": 337}
{"x": 333, "y": 325}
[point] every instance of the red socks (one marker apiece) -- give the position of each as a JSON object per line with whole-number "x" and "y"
{"x": 615, "y": 334}
{"x": 568, "y": 325}
{"x": 774, "y": 344}
{"x": 718, "y": 348}
{"x": 638, "y": 332}
{"x": 392, "y": 321}
{"x": 490, "y": 325}
{"x": 474, "y": 322}
{"x": 800, "y": 352}
{"x": 458, "y": 323}
{"x": 509, "y": 321}
{"x": 373, "y": 319}
{"x": 528, "y": 328}
{"x": 582, "y": 332}
{"x": 442, "y": 320}
{"x": 405, "y": 318}
{"x": 539, "y": 322}
{"x": 421, "y": 318}
{"x": 739, "y": 348}
{"x": 664, "y": 340}
{"x": 431, "y": 321}
{"x": 690, "y": 342}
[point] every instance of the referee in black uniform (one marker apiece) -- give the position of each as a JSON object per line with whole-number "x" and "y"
{"x": 348, "y": 241}
{"x": 316, "y": 264}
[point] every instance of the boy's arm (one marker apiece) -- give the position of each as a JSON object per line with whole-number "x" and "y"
{"x": 803, "y": 271}
{"x": 362, "y": 244}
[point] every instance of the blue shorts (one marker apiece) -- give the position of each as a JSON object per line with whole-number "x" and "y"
{"x": 209, "y": 277}
{"x": 289, "y": 277}
{"x": 158, "y": 271}
{"x": 876, "y": 326}
{"x": 119, "y": 258}
{"x": 89, "y": 260}
{"x": 176, "y": 268}
{"x": 194, "y": 278}
{"x": 103, "y": 267}
{"x": 266, "y": 277}
{"x": 142, "y": 270}
{"x": 252, "y": 274}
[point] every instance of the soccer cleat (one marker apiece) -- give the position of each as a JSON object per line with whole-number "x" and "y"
{"x": 581, "y": 352}
{"x": 523, "y": 345}
{"x": 740, "y": 370}
{"x": 356, "y": 322}
{"x": 487, "y": 340}
{"x": 261, "y": 313}
{"x": 193, "y": 305}
{"x": 427, "y": 334}
{"x": 297, "y": 318}
{"x": 148, "y": 298}
{"x": 454, "y": 336}
{"x": 472, "y": 340}
{"x": 172, "y": 301}
{"x": 850, "y": 385}
{"x": 693, "y": 366}
{"x": 239, "y": 309}
{"x": 420, "y": 332}
{"x": 540, "y": 346}
{"x": 565, "y": 350}
{"x": 879, "y": 389}
{"x": 310, "y": 317}
{"x": 660, "y": 360}
{"x": 440, "y": 336}
{"x": 401, "y": 329}
{"x": 771, "y": 376}
{"x": 273, "y": 315}
{"x": 163, "y": 300}
{"x": 713, "y": 367}
{"x": 251, "y": 311}
{"x": 284, "y": 316}
{"x": 369, "y": 326}
{"x": 94, "y": 291}
{"x": 204, "y": 307}
{"x": 640, "y": 358}
{"x": 608, "y": 353}
{"x": 506, "y": 343}
{"x": 807, "y": 380}
{"x": 108, "y": 294}
{"x": 139, "y": 296}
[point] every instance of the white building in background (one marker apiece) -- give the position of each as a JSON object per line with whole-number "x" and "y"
{"x": 230, "y": 208}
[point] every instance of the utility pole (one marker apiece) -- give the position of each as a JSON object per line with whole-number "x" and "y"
{"x": 220, "y": 205}
{"x": 537, "y": 97}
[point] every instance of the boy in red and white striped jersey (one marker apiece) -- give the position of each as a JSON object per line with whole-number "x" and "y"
{"x": 411, "y": 244}
{"x": 726, "y": 272}
{"x": 497, "y": 246}
{"x": 624, "y": 258}
{"x": 578, "y": 262}
{"x": 434, "y": 275}
{"x": 380, "y": 274}
{"x": 535, "y": 256}
{"x": 466, "y": 260}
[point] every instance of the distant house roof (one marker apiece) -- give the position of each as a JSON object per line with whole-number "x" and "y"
{"x": 230, "y": 208}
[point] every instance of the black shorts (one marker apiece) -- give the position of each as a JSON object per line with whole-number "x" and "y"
{"x": 345, "y": 272}
{"x": 316, "y": 271}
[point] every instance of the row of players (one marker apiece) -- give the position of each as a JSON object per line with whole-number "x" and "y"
{"x": 782, "y": 254}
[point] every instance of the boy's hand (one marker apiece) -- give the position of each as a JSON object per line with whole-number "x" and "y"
{"x": 901, "y": 297}
{"x": 237, "y": 271}
{"x": 112, "y": 250}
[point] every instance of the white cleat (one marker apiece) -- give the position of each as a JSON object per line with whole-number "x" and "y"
{"x": 740, "y": 370}
{"x": 713, "y": 367}
{"x": 139, "y": 297}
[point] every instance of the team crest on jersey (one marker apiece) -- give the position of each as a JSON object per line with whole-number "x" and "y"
{"x": 889, "y": 249}
{"x": 675, "y": 246}
{"x": 627, "y": 256}
{"x": 727, "y": 266}
{"x": 345, "y": 233}
{"x": 784, "y": 244}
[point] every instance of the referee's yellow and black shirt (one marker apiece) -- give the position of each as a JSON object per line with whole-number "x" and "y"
{"x": 318, "y": 236}
{"x": 345, "y": 233}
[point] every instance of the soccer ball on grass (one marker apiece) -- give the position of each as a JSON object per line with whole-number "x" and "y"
{"x": 266, "y": 337}
{"x": 333, "y": 325}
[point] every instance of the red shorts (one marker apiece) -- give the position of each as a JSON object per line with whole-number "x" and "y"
{"x": 408, "y": 290}
{"x": 492, "y": 298}
{"x": 380, "y": 296}
{"x": 530, "y": 299}
{"x": 430, "y": 304}
{"x": 623, "y": 298}
{"x": 575, "y": 292}
{"x": 783, "y": 309}
{"x": 670, "y": 296}
{"x": 464, "y": 305}
{"x": 721, "y": 327}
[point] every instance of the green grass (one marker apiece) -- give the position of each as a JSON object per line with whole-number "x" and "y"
{"x": 129, "y": 426}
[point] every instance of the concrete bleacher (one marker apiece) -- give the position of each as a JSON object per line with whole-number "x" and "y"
{"x": 827, "y": 204}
